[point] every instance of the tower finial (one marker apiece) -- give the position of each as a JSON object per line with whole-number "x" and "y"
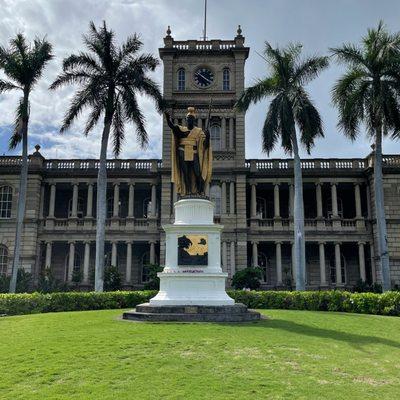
{"x": 169, "y": 31}
{"x": 239, "y": 30}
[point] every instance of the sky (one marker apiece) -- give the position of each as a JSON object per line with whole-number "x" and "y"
{"x": 317, "y": 24}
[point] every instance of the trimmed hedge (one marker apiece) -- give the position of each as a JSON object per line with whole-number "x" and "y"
{"x": 366, "y": 303}
{"x": 387, "y": 303}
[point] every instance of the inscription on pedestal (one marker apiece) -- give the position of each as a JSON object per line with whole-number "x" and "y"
{"x": 193, "y": 250}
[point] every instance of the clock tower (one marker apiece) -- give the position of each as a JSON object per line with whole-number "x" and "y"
{"x": 209, "y": 74}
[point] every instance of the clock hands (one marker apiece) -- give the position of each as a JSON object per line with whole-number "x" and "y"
{"x": 205, "y": 78}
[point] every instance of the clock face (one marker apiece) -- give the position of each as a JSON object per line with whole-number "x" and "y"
{"x": 203, "y": 77}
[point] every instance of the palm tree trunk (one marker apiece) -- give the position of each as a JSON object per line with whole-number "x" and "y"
{"x": 21, "y": 198}
{"x": 101, "y": 210}
{"x": 380, "y": 213}
{"x": 299, "y": 241}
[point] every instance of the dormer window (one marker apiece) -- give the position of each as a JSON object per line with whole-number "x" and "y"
{"x": 226, "y": 79}
{"x": 181, "y": 79}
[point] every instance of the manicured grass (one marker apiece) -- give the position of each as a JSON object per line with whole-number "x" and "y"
{"x": 291, "y": 355}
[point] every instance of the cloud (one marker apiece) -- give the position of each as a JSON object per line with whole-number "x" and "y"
{"x": 318, "y": 25}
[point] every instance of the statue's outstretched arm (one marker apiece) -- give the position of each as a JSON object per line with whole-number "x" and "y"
{"x": 169, "y": 121}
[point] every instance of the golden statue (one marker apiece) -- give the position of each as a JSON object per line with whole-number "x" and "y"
{"x": 191, "y": 155}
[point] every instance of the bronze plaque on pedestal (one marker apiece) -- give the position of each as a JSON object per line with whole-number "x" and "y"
{"x": 193, "y": 250}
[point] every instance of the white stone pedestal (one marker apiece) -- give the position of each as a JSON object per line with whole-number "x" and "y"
{"x": 202, "y": 285}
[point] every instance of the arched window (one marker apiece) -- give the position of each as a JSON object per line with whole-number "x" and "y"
{"x": 5, "y": 201}
{"x": 215, "y": 197}
{"x": 332, "y": 266}
{"x": 181, "y": 79}
{"x": 226, "y": 79}
{"x": 3, "y": 260}
{"x": 79, "y": 212}
{"x": 215, "y": 134}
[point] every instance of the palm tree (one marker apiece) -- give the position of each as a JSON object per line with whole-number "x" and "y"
{"x": 369, "y": 93}
{"x": 23, "y": 65}
{"x": 290, "y": 109}
{"x": 109, "y": 77}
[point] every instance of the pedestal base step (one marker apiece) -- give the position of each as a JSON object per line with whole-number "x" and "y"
{"x": 234, "y": 313}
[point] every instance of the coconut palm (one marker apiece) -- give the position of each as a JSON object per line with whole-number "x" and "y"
{"x": 23, "y": 65}
{"x": 109, "y": 78}
{"x": 291, "y": 113}
{"x": 369, "y": 93}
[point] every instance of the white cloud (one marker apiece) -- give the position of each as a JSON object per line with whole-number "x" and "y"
{"x": 64, "y": 22}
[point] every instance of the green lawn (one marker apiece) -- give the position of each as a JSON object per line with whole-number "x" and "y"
{"x": 291, "y": 355}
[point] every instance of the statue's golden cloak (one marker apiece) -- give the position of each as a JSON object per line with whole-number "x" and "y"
{"x": 198, "y": 137}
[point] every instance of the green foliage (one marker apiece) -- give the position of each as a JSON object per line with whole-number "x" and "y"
{"x": 387, "y": 303}
{"x": 154, "y": 281}
{"x": 24, "y": 282}
{"x": 112, "y": 279}
{"x": 49, "y": 284}
{"x": 247, "y": 278}
{"x": 363, "y": 287}
{"x": 17, "y": 304}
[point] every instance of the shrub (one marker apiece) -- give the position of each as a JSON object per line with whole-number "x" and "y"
{"x": 17, "y": 304}
{"x": 112, "y": 279}
{"x": 154, "y": 281}
{"x": 24, "y": 282}
{"x": 48, "y": 283}
{"x": 247, "y": 278}
{"x": 387, "y": 303}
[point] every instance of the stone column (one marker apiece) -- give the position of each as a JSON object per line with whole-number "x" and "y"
{"x": 223, "y": 197}
{"x": 71, "y": 260}
{"x": 232, "y": 198}
{"x": 277, "y": 211}
{"x": 152, "y": 252}
{"x": 74, "y": 211}
{"x": 128, "y": 271}
{"x": 114, "y": 254}
{"x": 153, "y": 200}
{"x": 357, "y": 198}
{"x": 278, "y": 263}
{"x": 131, "y": 200}
{"x": 224, "y": 257}
{"x": 231, "y": 135}
{"x": 116, "y": 200}
{"x": 338, "y": 264}
{"x": 255, "y": 254}
{"x": 334, "y": 200}
{"x": 223, "y": 134}
{"x": 89, "y": 205}
{"x": 291, "y": 200}
{"x": 41, "y": 202}
{"x": 86, "y": 260}
{"x": 322, "y": 268}
{"x": 253, "y": 205}
{"x": 373, "y": 267}
{"x": 199, "y": 123}
{"x": 318, "y": 194}
{"x": 48, "y": 255}
{"x": 52, "y": 200}
{"x": 361, "y": 261}
{"x": 233, "y": 258}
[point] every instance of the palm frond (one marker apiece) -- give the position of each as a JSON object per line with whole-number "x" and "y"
{"x": 118, "y": 130}
{"x": 254, "y": 94}
{"x": 5, "y": 86}
{"x": 133, "y": 114}
{"x": 309, "y": 69}
{"x": 82, "y": 61}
